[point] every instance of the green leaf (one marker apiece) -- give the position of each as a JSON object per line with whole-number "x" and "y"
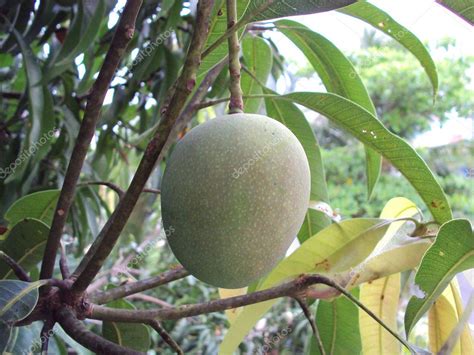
{"x": 370, "y": 131}
{"x": 338, "y": 76}
{"x": 41, "y": 115}
{"x": 314, "y": 222}
{"x": 258, "y": 60}
{"x": 82, "y": 34}
{"x": 256, "y": 10}
{"x": 462, "y": 8}
{"x": 25, "y": 244}
{"x": 451, "y": 253}
{"x": 17, "y": 300}
{"x": 292, "y": 117}
{"x": 39, "y": 205}
{"x": 385, "y": 23}
{"x": 130, "y": 335}
{"x": 336, "y": 248}
{"x": 262, "y": 10}
{"x": 338, "y": 325}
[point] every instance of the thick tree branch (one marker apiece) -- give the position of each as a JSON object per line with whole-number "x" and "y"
{"x": 16, "y": 268}
{"x": 105, "y": 241}
{"x": 236, "y": 103}
{"x": 76, "y": 329}
{"x": 117, "y": 49}
{"x": 165, "y": 336}
{"x": 291, "y": 288}
{"x": 139, "y": 286}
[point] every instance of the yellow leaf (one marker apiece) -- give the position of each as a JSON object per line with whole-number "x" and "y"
{"x": 443, "y": 317}
{"x": 226, "y": 293}
{"x": 381, "y": 297}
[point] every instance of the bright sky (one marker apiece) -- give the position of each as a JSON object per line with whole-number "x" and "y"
{"x": 429, "y": 21}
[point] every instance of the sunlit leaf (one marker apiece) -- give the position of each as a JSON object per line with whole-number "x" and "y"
{"x": 443, "y": 316}
{"x": 226, "y": 293}
{"x": 336, "y": 248}
{"x": 451, "y": 253}
{"x": 381, "y": 297}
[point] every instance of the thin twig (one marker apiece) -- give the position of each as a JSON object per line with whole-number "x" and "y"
{"x": 76, "y": 330}
{"x": 165, "y": 336}
{"x": 110, "y": 185}
{"x": 151, "y": 299}
{"x": 307, "y": 312}
{"x": 47, "y": 326}
{"x": 139, "y": 286}
{"x": 16, "y": 268}
{"x": 120, "y": 41}
{"x": 115, "y": 187}
{"x": 108, "y": 236}
{"x": 236, "y": 104}
{"x": 63, "y": 266}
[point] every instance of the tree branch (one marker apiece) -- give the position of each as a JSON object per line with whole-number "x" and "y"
{"x": 76, "y": 329}
{"x": 16, "y": 268}
{"x": 236, "y": 104}
{"x": 105, "y": 241}
{"x": 139, "y": 286}
{"x": 291, "y": 288}
{"x": 117, "y": 49}
{"x": 306, "y": 311}
{"x": 165, "y": 336}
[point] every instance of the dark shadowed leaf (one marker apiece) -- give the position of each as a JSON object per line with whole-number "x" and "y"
{"x": 338, "y": 325}
{"x": 130, "y": 335}
{"x": 17, "y": 300}
{"x": 39, "y": 205}
{"x": 25, "y": 244}
{"x": 258, "y": 60}
{"x": 41, "y": 117}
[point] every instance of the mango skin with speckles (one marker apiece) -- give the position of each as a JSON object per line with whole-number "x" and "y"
{"x": 234, "y": 195}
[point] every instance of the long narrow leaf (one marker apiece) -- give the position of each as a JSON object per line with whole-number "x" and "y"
{"x": 338, "y": 76}
{"x": 365, "y": 127}
{"x": 385, "y": 23}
